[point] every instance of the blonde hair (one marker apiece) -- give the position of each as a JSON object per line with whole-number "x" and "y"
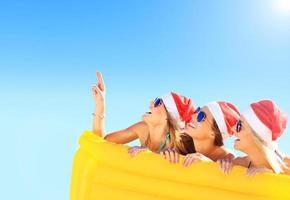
{"x": 274, "y": 160}
{"x": 173, "y": 131}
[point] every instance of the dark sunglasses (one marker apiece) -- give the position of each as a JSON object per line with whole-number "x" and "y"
{"x": 238, "y": 126}
{"x": 157, "y": 102}
{"x": 201, "y": 116}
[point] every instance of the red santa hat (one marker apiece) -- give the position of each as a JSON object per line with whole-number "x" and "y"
{"x": 267, "y": 121}
{"x": 180, "y": 108}
{"x": 226, "y": 116}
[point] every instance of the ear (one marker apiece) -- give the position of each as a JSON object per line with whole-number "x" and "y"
{"x": 212, "y": 135}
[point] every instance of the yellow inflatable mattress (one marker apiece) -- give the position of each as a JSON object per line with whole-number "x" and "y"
{"x": 104, "y": 170}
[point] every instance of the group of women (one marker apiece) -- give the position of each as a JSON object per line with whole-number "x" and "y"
{"x": 174, "y": 127}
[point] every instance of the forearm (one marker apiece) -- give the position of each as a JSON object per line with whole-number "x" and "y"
{"x": 99, "y": 121}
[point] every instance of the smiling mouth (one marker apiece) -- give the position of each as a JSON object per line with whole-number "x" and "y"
{"x": 191, "y": 125}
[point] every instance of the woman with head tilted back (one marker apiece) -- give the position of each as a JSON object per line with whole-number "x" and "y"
{"x": 210, "y": 126}
{"x": 157, "y": 130}
{"x": 257, "y": 131}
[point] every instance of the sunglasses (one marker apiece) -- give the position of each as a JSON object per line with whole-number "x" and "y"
{"x": 201, "y": 116}
{"x": 157, "y": 102}
{"x": 238, "y": 126}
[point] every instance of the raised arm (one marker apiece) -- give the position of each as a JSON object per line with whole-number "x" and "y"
{"x": 138, "y": 130}
{"x": 98, "y": 90}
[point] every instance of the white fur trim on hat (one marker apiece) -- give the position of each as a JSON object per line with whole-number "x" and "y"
{"x": 172, "y": 110}
{"x": 218, "y": 115}
{"x": 263, "y": 131}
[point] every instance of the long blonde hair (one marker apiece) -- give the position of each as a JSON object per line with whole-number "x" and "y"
{"x": 270, "y": 155}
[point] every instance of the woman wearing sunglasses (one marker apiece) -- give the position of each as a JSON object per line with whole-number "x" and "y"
{"x": 157, "y": 130}
{"x": 257, "y": 131}
{"x": 211, "y": 125}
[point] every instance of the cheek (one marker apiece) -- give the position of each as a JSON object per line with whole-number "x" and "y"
{"x": 246, "y": 139}
{"x": 194, "y": 120}
{"x": 200, "y": 132}
{"x": 158, "y": 110}
{"x": 158, "y": 115}
{"x": 189, "y": 131}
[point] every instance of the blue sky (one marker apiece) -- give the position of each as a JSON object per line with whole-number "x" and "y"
{"x": 236, "y": 51}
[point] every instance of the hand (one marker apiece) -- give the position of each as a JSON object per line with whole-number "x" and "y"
{"x": 193, "y": 158}
{"x": 170, "y": 155}
{"x": 133, "y": 151}
{"x": 99, "y": 94}
{"x": 257, "y": 170}
{"x": 226, "y": 165}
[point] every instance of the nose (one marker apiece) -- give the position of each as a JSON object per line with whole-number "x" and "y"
{"x": 236, "y": 133}
{"x": 151, "y": 104}
{"x": 194, "y": 120}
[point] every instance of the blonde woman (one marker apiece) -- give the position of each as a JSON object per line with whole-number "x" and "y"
{"x": 157, "y": 130}
{"x": 209, "y": 128}
{"x": 257, "y": 132}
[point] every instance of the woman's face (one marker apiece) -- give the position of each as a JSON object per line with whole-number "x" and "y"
{"x": 157, "y": 114}
{"x": 201, "y": 130}
{"x": 245, "y": 136}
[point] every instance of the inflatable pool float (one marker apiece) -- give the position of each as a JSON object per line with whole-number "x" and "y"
{"x": 104, "y": 170}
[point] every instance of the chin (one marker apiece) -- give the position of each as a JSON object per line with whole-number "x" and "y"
{"x": 189, "y": 132}
{"x": 236, "y": 147}
{"x": 144, "y": 119}
{"x": 147, "y": 120}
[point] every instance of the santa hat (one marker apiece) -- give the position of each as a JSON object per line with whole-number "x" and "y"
{"x": 226, "y": 116}
{"x": 267, "y": 121}
{"x": 180, "y": 108}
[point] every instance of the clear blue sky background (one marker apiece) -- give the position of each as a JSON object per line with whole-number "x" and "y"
{"x": 237, "y": 51}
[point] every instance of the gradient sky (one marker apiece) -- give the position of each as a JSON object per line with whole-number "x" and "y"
{"x": 238, "y": 51}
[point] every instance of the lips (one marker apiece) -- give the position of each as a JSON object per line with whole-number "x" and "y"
{"x": 236, "y": 142}
{"x": 147, "y": 113}
{"x": 191, "y": 125}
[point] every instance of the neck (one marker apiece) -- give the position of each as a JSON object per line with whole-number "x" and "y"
{"x": 158, "y": 132}
{"x": 208, "y": 149}
{"x": 258, "y": 158}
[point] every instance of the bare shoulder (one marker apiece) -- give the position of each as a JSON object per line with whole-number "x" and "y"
{"x": 141, "y": 129}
